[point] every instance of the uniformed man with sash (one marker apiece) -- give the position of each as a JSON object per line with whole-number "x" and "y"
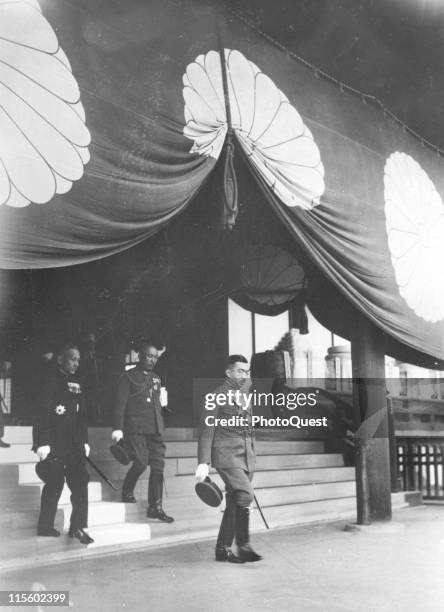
{"x": 138, "y": 420}
{"x": 61, "y": 442}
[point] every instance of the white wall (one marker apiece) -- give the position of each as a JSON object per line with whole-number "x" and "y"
{"x": 240, "y": 333}
{"x": 269, "y": 330}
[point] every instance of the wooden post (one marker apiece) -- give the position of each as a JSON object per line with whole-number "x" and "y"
{"x": 392, "y": 448}
{"x": 373, "y": 485}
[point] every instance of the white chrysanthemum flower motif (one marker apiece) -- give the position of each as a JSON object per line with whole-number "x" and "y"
{"x": 60, "y": 409}
{"x": 414, "y": 214}
{"x": 269, "y": 129}
{"x": 44, "y": 140}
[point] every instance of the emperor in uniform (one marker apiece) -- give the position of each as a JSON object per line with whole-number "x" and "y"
{"x": 231, "y": 451}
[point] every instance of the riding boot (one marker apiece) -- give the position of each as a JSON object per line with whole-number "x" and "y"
{"x": 226, "y": 533}
{"x": 155, "y": 495}
{"x": 242, "y": 529}
{"x": 129, "y": 483}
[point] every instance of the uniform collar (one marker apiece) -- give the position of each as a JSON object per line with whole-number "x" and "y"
{"x": 231, "y": 384}
{"x": 146, "y": 372}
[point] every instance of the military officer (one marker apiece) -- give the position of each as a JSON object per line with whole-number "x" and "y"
{"x": 61, "y": 442}
{"x": 138, "y": 419}
{"x": 230, "y": 450}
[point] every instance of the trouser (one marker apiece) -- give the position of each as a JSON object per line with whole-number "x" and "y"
{"x": 146, "y": 449}
{"x": 238, "y": 485}
{"x": 239, "y": 496}
{"x": 71, "y": 467}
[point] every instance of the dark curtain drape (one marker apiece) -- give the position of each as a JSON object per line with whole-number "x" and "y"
{"x": 111, "y": 134}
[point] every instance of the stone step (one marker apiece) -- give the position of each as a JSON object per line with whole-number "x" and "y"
{"x": 282, "y": 433}
{"x": 309, "y": 512}
{"x": 112, "y": 469}
{"x": 28, "y": 496}
{"x": 192, "y": 507}
{"x": 275, "y": 462}
{"x": 9, "y": 475}
{"x": 183, "y": 485}
{"x": 176, "y": 487}
{"x": 99, "y": 513}
{"x": 189, "y": 448}
{"x": 405, "y": 499}
{"x": 114, "y": 512}
{"x": 276, "y": 516}
{"x": 28, "y": 550}
{"x": 102, "y": 435}
{"x": 18, "y": 453}
{"x": 287, "y": 447}
{"x": 17, "y": 434}
{"x": 21, "y": 453}
{"x": 278, "y": 496}
{"x": 187, "y": 465}
{"x": 278, "y": 478}
{"x": 193, "y": 520}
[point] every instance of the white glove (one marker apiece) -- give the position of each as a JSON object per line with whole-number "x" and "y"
{"x": 87, "y": 450}
{"x": 43, "y": 452}
{"x": 202, "y": 471}
{"x": 163, "y": 397}
{"x": 117, "y": 435}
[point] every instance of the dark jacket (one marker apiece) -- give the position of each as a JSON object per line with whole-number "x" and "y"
{"x": 61, "y": 420}
{"x": 227, "y": 446}
{"x": 137, "y": 408}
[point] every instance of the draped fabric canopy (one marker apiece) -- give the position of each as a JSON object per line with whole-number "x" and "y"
{"x": 270, "y": 279}
{"x": 113, "y": 115}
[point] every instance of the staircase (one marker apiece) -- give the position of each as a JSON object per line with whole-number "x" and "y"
{"x": 295, "y": 482}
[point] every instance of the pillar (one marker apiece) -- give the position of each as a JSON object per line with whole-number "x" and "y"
{"x": 373, "y": 486}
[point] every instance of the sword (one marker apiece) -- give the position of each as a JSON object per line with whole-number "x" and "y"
{"x": 101, "y": 474}
{"x": 260, "y": 510}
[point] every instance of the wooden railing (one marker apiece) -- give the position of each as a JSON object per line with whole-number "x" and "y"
{"x": 420, "y": 466}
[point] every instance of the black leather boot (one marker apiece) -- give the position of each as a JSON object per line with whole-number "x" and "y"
{"x": 245, "y": 552}
{"x": 131, "y": 478}
{"x": 226, "y": 533}
{"x": 155, "y": 495}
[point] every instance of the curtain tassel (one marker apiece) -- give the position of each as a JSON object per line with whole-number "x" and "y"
{"x": 229, "y": 204}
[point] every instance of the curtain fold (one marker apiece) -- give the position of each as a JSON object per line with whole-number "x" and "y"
{"x": 113, "y": 121}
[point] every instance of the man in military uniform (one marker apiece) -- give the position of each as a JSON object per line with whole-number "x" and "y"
{"x": 138, "y": 419}
{"x": 61, "y": 442}
{"x": 230, "y": 450}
